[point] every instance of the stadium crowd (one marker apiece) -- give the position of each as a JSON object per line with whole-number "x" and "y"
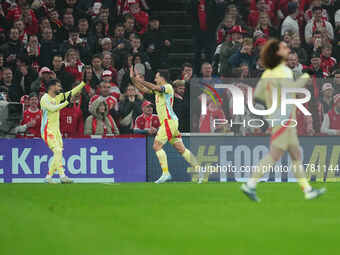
{"x": 99, "y": 40}
{"x": 230, "y": 34}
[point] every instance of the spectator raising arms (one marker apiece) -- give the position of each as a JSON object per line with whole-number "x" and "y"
{"x": 100, "y": 122}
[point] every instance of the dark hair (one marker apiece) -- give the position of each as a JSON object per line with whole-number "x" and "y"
{"x": 52, "y": 83}
{"x": 82, "y": 20}
{"x": 128, "y": 16}
{"x": 164, "y": 73}
{"x": 268, "y": 55}
{"x": 24, "y": 59}
{"x": 97, "y": 56}
{"x": 58, "y": 55}
{"x": 317, "y": 8}
{"x": 73, "y": 30}
{"x": 136, "y": 55}
{"x": 119, "y": 25}
{"x": 33, "y": 94}
{"x": 186, "y": 64}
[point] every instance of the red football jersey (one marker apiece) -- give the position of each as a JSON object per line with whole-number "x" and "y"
{"x": 28, "y": 117}
{"x": 71, "y": 121}
{"x": 146, "y": 122}
{"x": 110, "y": 100}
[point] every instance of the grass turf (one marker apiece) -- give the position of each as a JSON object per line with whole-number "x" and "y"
{"x": 175, "y": 218}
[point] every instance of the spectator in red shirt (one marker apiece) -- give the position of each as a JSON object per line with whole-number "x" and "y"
{"x": 30, "y": 20}
{"x": 331, "y": 122}
{"x": 108, "y": 64}
{"x": 129, "y": 25}
{"x": 327, "y": 92}
{"x": 114, "y": 90}
{"x": 73, "y": 65}
{"x": 32, "y": 117}
{"x": 264, "y": 25}
{"x": 24, "y": 100}
{"x": 105, "y": 93}
{"x": 261, "y": 6}
{"x": 71, "y": 119}
{"x": 327, "y": 61}
{"x": 207, "y": 121}
{"x": 224, "y": 27}
{"x": 23, "y": 36}
{"x": 141, "y": 17}
{"x": 309, "y": 12}
{"x": 147, "y": 123}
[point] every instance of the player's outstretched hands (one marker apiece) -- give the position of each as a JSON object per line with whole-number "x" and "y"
{"x": 69, "y": 98}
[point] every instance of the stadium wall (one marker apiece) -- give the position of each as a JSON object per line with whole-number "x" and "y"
{"x": 223, "y": 158}
{"x": 230, "y": 158}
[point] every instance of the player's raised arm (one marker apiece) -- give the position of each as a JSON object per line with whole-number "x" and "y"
{"x": 149, "y": 85}
{"x": 138, "y": 85}
{"x": 73, "y": 92}
{"x": 45, "y": 104}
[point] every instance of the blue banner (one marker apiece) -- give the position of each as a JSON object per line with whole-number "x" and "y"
{"x": 85, "y": 160}
{"x": 227, "y": 158}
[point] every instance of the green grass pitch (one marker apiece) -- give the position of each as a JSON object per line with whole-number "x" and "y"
{"x": 174, "y": 218}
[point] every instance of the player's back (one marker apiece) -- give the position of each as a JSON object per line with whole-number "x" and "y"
{"x": 164, "y": 103}
{"x": 273, "y": 80}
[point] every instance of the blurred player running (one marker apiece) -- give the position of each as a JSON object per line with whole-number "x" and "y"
{"x": 168, "y": 131}
{"x": 277, "y": 75}
{"x": 51, "y": 103}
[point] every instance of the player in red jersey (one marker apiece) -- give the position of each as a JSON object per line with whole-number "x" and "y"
{"x": 32, "y": 117}
{"x": 71, "y": 119}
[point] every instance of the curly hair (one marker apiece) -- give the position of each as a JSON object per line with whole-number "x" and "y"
{"x": 268, "y": 55}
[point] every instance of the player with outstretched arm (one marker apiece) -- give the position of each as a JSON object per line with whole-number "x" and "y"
{"x": 51, "y": 103}
{"x": 274, "y": 55}
{"x": 168, "y": 131}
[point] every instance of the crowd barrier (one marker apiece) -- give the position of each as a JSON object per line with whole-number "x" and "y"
{"x": 132, "y": 159}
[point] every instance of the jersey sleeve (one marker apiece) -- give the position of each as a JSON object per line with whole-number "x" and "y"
{"x": 167, "y": 89}
{"x": 299, "y": 83}
{"x": 47, "y": 105}
{"x": 74, "y": 91}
